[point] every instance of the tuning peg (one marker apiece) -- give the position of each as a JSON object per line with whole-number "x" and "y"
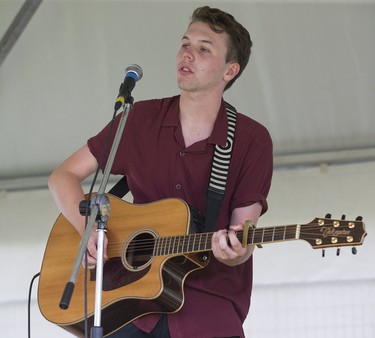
{"x": 354, "y": 250}
{"x": 323, "y": 252}
{"x": 359, "y": 218}
{"x": 328, "y": 215}
{"x": 338, "y": 252}
{"x": 343, "y": 217}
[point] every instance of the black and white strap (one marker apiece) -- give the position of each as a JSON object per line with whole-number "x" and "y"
{"x": 222, "y": 155}
{"x": 219, "y": 172}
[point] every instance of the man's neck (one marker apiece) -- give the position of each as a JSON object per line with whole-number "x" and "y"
{"x": 198, "y": 115}
{"x": 199, "y": 108}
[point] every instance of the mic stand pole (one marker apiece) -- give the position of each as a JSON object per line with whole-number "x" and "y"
{"x": 99, "y": 210}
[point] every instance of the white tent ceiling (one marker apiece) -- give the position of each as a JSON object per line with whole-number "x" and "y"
{"x": 310, "y": 80}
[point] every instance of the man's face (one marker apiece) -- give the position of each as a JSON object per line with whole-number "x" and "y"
{"x": 201, "y": 59}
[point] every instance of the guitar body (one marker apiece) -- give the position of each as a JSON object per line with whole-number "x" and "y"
{"x": 132, "y": 286}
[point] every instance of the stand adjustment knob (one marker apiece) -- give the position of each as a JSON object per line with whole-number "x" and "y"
{"x": 84, "y": 207}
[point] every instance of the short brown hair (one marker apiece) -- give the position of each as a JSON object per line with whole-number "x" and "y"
{"x": 239, "y": 47}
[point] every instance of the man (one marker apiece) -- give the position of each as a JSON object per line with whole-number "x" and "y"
{"x": 166, "y": 151}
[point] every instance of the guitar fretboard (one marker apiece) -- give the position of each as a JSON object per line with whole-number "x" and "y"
{"x": 202, "y": 241}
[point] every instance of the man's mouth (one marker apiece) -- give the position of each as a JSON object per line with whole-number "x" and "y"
{"x": 185, "y": 69}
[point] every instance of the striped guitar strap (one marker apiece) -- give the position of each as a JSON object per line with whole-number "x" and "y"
{"x": 219, "y": 172}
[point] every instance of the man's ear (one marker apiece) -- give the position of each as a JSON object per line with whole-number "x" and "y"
{"x": 233, "y": 70}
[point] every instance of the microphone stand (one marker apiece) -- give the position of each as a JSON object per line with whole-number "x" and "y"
{"x": 99, "y": 211}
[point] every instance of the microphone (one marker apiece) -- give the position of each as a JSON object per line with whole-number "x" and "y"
{"x": 133, "y": 73}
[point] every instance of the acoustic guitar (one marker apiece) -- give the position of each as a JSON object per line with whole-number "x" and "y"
{"x": 151, "y": 252}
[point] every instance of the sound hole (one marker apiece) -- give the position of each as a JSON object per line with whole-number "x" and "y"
{"x": 139, "y": 251}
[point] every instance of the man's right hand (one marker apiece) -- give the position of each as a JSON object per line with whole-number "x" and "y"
{"x": 92, "y": 250}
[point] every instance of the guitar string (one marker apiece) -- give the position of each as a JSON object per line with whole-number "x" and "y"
{"x": 164, "y": 243}
{"x": 258, "y": 233}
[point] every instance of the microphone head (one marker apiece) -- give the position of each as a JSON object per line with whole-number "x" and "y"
{"x": 134, "y": 71}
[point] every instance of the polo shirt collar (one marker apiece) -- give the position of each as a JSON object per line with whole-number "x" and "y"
{"x": 220, "y": 131}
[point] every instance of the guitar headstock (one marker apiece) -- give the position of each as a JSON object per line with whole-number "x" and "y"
{"x": 327, "y": 232}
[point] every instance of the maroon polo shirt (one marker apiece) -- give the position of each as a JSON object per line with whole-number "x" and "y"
{"x": 153, "y": 156}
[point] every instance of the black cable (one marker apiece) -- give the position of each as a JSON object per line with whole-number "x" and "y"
{"x": 29, "y": 304}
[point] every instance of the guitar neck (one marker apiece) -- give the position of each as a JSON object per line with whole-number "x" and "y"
{"x": 320, "y": 233}
{"x": 202, "y": 241}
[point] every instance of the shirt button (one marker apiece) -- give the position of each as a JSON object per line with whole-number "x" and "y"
{"x": 182, "y": 153}
{"x": 178, "y": 186}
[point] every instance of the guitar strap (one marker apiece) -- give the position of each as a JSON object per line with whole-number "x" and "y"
{"x": 218, "y": 176}
{"x": 219, "y": 173}
{"x": 121, "y": 188}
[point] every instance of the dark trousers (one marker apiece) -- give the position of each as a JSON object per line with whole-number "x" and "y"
{"x": 161, "y": 330}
